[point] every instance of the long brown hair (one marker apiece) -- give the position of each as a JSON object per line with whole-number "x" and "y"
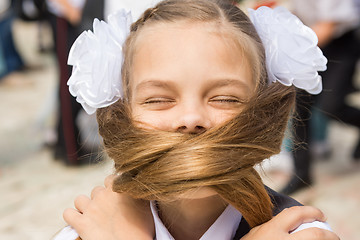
{"x": 158, "y": 165}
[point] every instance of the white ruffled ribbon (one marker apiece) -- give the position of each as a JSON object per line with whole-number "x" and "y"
{"x": 292, "y": 54}
{"x": 97, "y": 58}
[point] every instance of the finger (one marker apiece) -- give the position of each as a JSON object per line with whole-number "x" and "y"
{"x": 314, "y": 234}
{"x": 291, "y": 218}
{"x": 72, "y": 217}
{"x": 81, "y": 202}
{"x": 108, "y": 182}
{"x": 75, "y": 219}
{"x": 96, "y": 191}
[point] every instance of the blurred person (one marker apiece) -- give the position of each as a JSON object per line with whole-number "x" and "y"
{"x": 34, "y": 11}
{"x": 30, "y": 10}
{"x": 65, "y": 19}
{"x": 2, "y": 62}
{"x": 335, "y": 22}
{"x": 3, "y": 8}
{"x": 319, "y": 145}
{"x": 11, "y": 59}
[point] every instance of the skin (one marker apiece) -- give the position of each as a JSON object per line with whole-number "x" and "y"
{"x": 111, "y": 216}
{"x": 186, "y": 78}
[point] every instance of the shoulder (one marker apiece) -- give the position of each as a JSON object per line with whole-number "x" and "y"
{"x": 281, "y": 201}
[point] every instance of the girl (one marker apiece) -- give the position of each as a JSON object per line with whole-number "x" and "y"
{"x": 199, "y": 108}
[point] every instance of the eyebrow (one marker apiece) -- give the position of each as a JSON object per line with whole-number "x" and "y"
{"x": 155, "y": 83}
{"x": 215, "y": 83}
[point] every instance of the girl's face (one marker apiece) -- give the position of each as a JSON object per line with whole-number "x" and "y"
{"x": 187, "y": 78}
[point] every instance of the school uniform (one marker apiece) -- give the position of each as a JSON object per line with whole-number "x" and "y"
{"x": 229, "y": 225}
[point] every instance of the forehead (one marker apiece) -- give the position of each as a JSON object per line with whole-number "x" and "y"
{"x": 185, "y": 42}
{"x": 188, "y": 29}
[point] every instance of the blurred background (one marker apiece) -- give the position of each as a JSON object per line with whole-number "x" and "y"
{"x": 50, "y": 151}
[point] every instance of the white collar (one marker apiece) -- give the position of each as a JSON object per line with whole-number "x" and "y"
{"x": 224, "y": 228}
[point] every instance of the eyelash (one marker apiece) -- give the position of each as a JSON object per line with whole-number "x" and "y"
{"x": 226, "y": 99}
{"x": 158, "y": 101}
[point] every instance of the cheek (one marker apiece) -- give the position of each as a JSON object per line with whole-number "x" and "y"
{"x": 220, "y": 117}
{"x": 151, "y": 120}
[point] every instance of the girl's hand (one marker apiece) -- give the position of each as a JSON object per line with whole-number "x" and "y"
{"x": 288, "y": 220}
{"x": 109, "y": 215}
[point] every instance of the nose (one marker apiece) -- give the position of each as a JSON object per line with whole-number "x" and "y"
{"x": 192, "y": 119}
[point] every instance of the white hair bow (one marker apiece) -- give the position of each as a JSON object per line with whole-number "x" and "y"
{"x": 292, "y": 56}
{"x": 97, "y": 58}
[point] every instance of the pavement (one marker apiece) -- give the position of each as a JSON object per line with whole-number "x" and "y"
{"x": 35, "y": 188}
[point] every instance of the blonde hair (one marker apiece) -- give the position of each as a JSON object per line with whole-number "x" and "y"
{"x": 226, "y": 18}
{"x": 158, "y": 165}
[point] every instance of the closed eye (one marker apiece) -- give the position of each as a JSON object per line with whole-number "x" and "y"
{"x": 226, "y": 99}
{"x": 226, "y": 102}
{"x": 159, "y": 101}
